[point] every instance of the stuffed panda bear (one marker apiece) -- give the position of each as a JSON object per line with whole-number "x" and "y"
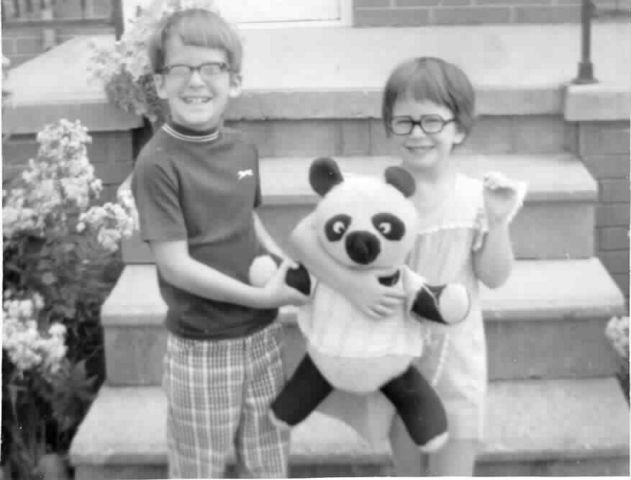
{"x": 368, "y": 223}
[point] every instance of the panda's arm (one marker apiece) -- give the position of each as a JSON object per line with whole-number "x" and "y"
{"x": 447, "y": 304}
{"x": 299, "y": 279}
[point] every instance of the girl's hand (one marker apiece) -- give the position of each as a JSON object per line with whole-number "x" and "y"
{"x": 278, "y": 293}
{"x": 371, "y": 297}
{"x": 501, "y": 197}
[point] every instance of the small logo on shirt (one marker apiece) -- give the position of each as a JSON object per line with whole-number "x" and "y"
{"x": 245, "y": 173}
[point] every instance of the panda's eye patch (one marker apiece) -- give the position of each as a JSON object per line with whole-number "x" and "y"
{"x": 390, "y": 227}
{"x": 336, "y": 226}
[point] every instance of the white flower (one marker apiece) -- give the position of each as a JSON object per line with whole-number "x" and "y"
{"x": 22, "y": 341}
{"x": 38, "y": 301}
{"x": 109, "y": 239}
{"x": 112, "y": 222}
{"x": 16, "y": 219}
{"x": 617, "y": 331}
{"x": 57, "y": 330}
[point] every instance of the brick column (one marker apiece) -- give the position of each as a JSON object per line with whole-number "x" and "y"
{"x": 604, "y": 148}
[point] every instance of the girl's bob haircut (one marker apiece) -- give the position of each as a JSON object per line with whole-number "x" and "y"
{"x": 432, "y": 79}
{"x": 197, "y": 27}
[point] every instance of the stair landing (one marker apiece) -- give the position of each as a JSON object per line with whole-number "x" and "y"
{"x": 339, "y": 72}
{"x": 533, "y": 428}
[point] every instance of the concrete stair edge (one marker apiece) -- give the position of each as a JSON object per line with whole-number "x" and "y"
{"x": 562, "y": 400}
{"x": 311, "y": 442}
{"x": 537, "y": 289}
{"x": 526, "y": 425}
{"x": 561, "y": 200}
{"x": 551, "y": 177}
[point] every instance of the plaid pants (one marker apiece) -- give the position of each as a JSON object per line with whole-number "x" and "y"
{"x": 218, "y": 397}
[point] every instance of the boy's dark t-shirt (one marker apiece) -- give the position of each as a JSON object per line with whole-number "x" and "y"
{"x": 202, "y": 189}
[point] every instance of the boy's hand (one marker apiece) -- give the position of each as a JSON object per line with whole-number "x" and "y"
{"x": 501, "y": 197}
{"x": 278, "y": 293}
{"x": 371, "y": 297}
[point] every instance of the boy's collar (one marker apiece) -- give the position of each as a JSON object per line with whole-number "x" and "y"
{"x": 188, "y": 134}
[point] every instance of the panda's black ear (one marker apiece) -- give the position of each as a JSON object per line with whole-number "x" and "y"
{"x": 401, "y": 179}
{"x": 324, "y": 174}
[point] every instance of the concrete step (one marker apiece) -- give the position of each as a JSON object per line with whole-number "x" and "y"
{"x": 550, "y": 427}
{"x": 545, "y": 308}
{"x": 557, "y": 428}
{"x": 557, "y": 220}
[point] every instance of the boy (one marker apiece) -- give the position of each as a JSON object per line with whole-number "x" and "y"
{"x": 195, "y": 184}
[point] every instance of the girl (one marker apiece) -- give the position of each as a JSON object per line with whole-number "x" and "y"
{"x": 428, "y": 109}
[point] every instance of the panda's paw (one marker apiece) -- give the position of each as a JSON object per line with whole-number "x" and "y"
{"x": 262, "y": 270}
{"x": 454, "y": 303}
{"x": 299, "y": 279}
{"x": 435, "y": 443}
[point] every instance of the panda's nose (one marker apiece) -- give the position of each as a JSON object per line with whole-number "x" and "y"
{"x": 362, "y": 247}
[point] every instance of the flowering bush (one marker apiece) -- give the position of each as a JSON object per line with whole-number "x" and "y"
{"x": 617, "y": 332}
{"x": 124, "y": 69}
{"x": 59, "y": 252}
{"x": 39, "y": 390}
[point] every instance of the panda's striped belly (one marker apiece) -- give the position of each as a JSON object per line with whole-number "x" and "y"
{"x": 334, "y": 327}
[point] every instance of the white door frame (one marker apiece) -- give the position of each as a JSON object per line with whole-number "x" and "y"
{"x": 346, "y": 17}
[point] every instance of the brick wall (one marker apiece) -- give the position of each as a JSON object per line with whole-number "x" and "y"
{"x": 604, "y": 147}
{"x": 21, "y": 43}
{"x": 370, "y": 13}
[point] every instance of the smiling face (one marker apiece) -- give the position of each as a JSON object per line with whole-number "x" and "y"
{"x": 195, "y": 102}
{"x": 420, "y": 151}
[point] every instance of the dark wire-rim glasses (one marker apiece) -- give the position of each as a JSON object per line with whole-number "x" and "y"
{"x": 208, "y": 71}
{"x": 430, "y": 124}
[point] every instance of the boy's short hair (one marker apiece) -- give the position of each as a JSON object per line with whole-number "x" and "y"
{"x": 433, "y": 79}
{"x": 198, "y": 27}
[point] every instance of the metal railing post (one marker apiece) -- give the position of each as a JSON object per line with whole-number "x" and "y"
{"x": 117, "y": 18}
{"x": 585, "y": 67}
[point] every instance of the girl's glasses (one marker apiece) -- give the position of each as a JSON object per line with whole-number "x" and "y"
{"x": 428, "y": 123}
{"x": 208, "y": 71}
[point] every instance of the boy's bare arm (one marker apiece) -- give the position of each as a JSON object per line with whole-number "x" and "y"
{"x": 181, "y": 270}
{"x": 362, "y": 289}
{"x": 266, "y": 239}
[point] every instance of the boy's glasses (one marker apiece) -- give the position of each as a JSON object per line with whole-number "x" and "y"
{"x": 429, "y": 124}
{"x": 208, "y": 71}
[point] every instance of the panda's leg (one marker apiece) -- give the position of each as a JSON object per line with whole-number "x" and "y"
{"x": 304, "y": 391}
{"x": 420, "y": 408}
